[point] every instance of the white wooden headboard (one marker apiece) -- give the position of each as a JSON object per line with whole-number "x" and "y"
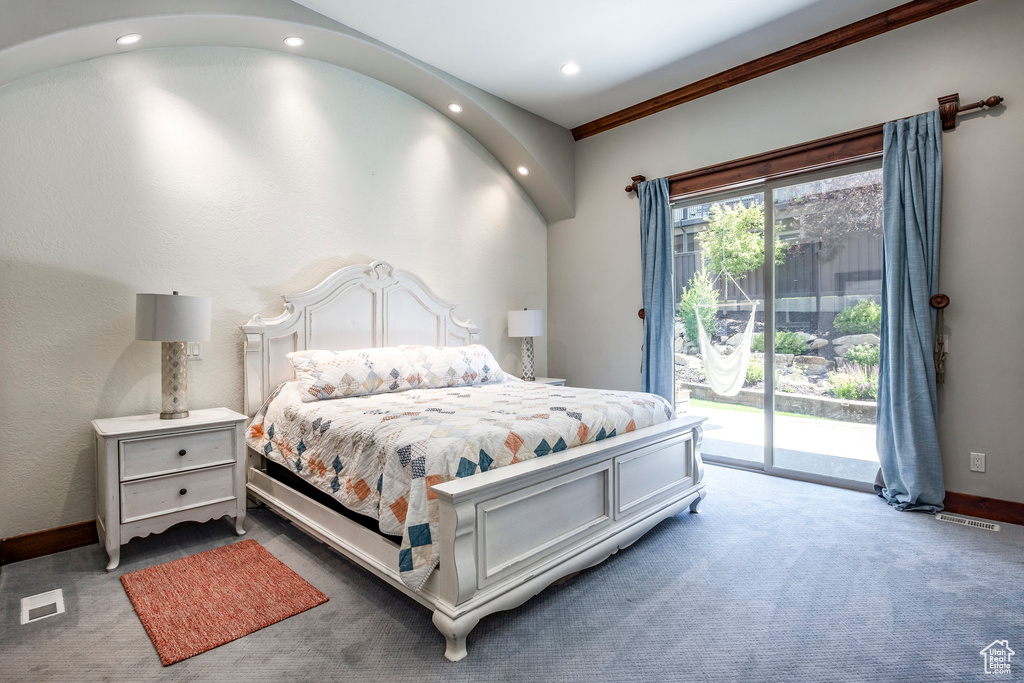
{"x": 355, "y": 308}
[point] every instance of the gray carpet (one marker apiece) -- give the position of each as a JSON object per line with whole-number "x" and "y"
{"x": 775, "y": 580}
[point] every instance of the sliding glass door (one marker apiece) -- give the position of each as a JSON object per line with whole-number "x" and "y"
{"x": 828, "y": 314}
{"x": 788, "y": 272}
{"x": 718, "y": 270}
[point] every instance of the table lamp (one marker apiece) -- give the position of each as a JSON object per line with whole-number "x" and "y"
{"x": 173, "y": 320}
{"x": 526, "y": 324}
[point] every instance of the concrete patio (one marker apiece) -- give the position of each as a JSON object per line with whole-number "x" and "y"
{"x": 820, "y": 446}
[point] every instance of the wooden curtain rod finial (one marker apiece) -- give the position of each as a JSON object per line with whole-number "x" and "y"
{"x": 632, "y": 187}
{"x": 939, "y": 301}
{"x": 993, "y": 101}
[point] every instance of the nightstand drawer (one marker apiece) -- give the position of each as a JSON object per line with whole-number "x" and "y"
{"x": 159, "y": 495}
{"x": 176, "y": 452}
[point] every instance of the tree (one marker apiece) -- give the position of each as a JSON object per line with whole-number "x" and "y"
{"x": 832, "y": 209}
{"x": 734, "y": 241}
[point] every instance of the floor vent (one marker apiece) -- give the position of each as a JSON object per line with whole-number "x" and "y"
{"x": 967, "y": 521}
{"x": 36, "y": 607}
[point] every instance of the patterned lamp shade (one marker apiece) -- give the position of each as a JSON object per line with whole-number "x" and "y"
{"x": 172, "y": 320}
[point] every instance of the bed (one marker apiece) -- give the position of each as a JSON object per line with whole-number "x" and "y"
{"x": 500, "y": 535}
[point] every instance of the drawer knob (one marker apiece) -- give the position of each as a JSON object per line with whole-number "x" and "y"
{"x": 181, "y": 452}
{"x": 183, "y": 492}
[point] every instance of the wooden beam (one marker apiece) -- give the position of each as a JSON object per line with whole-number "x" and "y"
{"x": 985, "y": 508}
{"x": 875, "y": 25}
{"x": 39, "y": 543}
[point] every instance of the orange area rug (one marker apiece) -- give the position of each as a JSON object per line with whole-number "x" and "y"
{"x": 197, "y": 603}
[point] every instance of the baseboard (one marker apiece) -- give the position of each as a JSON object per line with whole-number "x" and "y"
{"x": 39, "y": 543}
{"x": 985, "y": 508}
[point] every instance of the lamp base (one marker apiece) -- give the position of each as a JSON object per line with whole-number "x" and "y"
{"x": 528, "y": 359}
{"x": 173, "y": 381}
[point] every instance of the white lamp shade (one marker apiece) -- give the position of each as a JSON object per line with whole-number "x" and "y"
{"x": 525, "y": 323}
{"x": 172, "y": 318}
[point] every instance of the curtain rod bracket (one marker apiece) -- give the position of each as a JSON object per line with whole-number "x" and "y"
{"x": 632, "y": 187}
{"x": 949, "y": 107}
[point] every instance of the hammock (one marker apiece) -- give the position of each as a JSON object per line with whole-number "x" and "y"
{"x": 726, "y": 373}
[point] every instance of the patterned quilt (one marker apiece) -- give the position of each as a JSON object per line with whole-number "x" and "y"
{"x": 379, "y": 455}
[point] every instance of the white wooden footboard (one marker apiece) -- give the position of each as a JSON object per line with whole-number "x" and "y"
{"x": 509, "y": 533}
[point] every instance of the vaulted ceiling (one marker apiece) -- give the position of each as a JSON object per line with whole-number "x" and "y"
{"x": 627, "y": 50}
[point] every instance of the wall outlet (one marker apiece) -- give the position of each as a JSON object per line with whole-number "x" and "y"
{"x": 194, "y": 351}
{"x": 977, "y": 462}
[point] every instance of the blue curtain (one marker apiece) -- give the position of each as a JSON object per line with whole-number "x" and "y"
{"x": 908, "y": 443}
{"x": 658, "y": 368}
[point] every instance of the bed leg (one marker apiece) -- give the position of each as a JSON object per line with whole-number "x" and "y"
{"x": 454, "y": 632}
{"x": 695, "y": 505}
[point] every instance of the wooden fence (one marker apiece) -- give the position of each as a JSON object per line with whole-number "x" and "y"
{"x": 811, "y": 280}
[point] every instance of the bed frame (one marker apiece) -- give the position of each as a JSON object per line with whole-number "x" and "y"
{"x": 505, "y": 534}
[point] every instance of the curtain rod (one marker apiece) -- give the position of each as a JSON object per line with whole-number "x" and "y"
{"x": 949, "y": 109}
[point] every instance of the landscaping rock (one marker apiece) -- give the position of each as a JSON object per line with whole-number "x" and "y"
{"x": 692, "y": 362}
{"x": 856, "y": 339}
{"x": 680, "y": 345}
{"x": 841, "y": 351}
{"x": 803, "y": 335}
{"x": 813, "y": 365}
{"x": 817, "y": 344}
{"x": 783, "y": 360}
{"x": 796, "y": 386}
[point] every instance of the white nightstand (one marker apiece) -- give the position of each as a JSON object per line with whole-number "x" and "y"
{"x": 553, "y": 381}
{"x": 153, "y": 473}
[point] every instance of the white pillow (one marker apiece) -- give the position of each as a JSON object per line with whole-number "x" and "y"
{"x": 454, "y": 366}
{"x": 339, "y": 374}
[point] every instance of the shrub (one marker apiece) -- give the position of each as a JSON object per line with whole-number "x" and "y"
{"x": 755, "y": 373}
{"x": 785, "y": 342}
{"x": 864, "y": 355}
{"x": 864, "y": 318}
{"x": 854, "y": 383}
{"x": 699, "y": 292}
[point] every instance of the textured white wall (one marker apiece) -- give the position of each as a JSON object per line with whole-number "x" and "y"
{"x": 235, "y": 174}
{"x": 594, "y": 271}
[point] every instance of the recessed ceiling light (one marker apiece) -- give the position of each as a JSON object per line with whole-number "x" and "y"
{"x": 523, "y": 170}
{"x": 129, "y": 39}
{"x": 570, "y": 69}
{"x": 293, "y": 41}
{"x": 455, "y": 108}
